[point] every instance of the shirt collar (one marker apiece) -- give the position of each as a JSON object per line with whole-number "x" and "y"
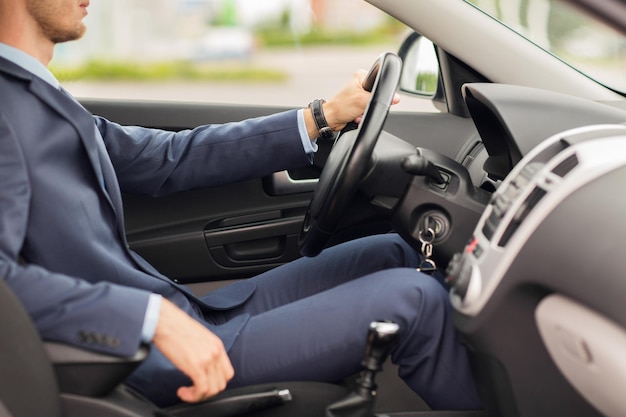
{"x": 29, "y": 63}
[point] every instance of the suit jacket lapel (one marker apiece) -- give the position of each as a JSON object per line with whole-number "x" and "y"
{"x": 112, "y": 188}
{"x": 64, "y": 105}
{"x": 76, "y": 115}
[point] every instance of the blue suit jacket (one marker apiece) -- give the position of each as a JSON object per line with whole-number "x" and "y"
{"x": 81, "y": 283}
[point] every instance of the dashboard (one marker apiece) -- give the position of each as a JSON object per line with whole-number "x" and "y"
{"x": 537, "y": 290}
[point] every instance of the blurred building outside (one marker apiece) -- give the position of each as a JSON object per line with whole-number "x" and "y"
{"x": 144, "y": 31}
{"x": 157, "y": 30}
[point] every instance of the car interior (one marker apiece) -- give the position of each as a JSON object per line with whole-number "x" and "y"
{"x": 516, "y": 184}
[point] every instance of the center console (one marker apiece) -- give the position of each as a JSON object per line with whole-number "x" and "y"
{"x": 541, "y": 273}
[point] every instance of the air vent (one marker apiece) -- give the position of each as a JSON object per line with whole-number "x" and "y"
{"x": 507, "y": 196}
{"x": 566, "y": 166}
{"x": 522, "y": 212}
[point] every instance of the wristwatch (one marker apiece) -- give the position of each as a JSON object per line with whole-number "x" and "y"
{"x": 323, "y": 130}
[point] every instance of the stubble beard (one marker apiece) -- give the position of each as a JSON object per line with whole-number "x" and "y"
{"x": 44, "y": 14}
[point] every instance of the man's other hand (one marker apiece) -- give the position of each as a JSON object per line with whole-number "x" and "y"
{"x": 195, "y": 351}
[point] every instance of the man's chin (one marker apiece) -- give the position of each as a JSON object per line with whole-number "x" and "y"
{"x": 69, "y": 35}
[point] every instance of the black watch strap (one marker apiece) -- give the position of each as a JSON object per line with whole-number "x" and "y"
{"x": 323, "y": 130}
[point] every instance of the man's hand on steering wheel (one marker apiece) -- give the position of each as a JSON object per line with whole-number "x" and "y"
{"x": 344, "y": 107}
{"x": 348, "y": 104}
{"x": 350, "y": 157}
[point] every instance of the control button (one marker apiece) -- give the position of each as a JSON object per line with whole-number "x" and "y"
{"x": 520, "y": 182}
{"x": 531, "y": 169}
{"x": 462, "y": 282}
{"x": 471, "y": 245}
{"x": 501, "y": 204}
{"x": 491, "y": 224}
{"x": 478, "y": 251}
{"x": 459, "y": 275}
{"x": 511, "y": 192}
{"x": 453, "y": 269}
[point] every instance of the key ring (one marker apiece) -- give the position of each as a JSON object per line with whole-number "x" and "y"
{"x": 427, "y": 244}
{"x": 427, "y": 266}
{"x": 430, "y": 232}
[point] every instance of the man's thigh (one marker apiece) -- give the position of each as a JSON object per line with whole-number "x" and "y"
{"x": 322, "y": 337}
{"x": 335, "y": 266}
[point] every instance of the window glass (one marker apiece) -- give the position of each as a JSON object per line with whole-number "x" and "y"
{"x": 563, "y": 30}
{"x": 276, "y": 52}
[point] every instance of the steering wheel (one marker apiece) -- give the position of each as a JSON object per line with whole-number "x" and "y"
{"x": 349, "y": 158}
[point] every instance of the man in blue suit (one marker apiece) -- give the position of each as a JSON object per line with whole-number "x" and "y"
{"x": 64, "y": 253}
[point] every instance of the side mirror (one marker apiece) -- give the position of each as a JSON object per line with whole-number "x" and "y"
{"x": 420, "y": 69}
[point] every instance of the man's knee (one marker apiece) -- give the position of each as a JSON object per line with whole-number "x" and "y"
{"x": 423, "y": 309}
{"x": 413, "y": 294}
{"x": 393, "y": 249}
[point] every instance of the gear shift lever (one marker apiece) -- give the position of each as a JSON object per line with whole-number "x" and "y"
{"x": 380, "y": 339}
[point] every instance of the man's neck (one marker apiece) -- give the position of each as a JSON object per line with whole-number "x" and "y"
{"x": 20, "y": 32}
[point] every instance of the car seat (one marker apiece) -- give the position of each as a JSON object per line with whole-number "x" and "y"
{"x": 46, "y": 379}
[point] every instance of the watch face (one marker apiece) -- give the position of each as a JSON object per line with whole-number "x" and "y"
{"x": 326, "y": 133}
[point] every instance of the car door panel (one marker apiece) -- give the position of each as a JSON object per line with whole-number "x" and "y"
{"x": 239, "y": 230}
{"x": 228, "y": 232}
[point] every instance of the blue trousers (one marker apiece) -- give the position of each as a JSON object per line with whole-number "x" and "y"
{"x": 310, "y": 319}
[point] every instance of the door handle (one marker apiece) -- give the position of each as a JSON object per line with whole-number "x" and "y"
{"x": 281, "y": 183}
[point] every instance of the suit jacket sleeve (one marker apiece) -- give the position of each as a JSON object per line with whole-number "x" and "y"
{"x": 157, "y": 162}
{"x": 103, "y": 317}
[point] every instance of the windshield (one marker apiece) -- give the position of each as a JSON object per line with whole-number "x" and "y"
{"x": 576, "y": 38}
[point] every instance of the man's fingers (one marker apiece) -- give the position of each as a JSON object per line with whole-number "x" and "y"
{"x": 205, "y": 385}
{"x": 193, "y": 394}
{"x": 208, "y": 379}
{"x": 190, "y": 394}
{"x": 195, "y": 351}
{"x": 196, "y": 393}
